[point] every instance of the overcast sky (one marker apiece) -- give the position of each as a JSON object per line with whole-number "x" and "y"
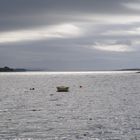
{"x": 70, "y": 34}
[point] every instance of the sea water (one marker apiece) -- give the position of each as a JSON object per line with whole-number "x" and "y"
{"x": 98, "y": 106}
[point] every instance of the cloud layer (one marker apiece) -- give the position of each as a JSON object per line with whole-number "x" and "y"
{"x": 70, "y": 35}
{"x": 50, "y": 32}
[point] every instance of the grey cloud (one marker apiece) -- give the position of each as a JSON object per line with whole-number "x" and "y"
{"x": 36, "y": 13}
{"x": 91, "y": 16}
{"x": 27, "y": 13}
{"x": 32, "y": 6}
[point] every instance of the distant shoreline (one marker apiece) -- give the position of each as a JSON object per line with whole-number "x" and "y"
{"x": 8, "y": 69}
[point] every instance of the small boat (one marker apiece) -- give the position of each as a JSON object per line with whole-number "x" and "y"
{"x": 62, "y": 89}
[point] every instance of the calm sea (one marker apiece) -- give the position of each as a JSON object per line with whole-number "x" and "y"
{"x": 98, "y": 106}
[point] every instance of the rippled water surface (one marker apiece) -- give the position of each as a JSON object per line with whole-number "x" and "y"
{"x": 105, "y": 107}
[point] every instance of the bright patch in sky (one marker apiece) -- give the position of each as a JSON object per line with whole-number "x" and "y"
{"x": 134, "y": 31}
{"x": 57, "y": 31}
{"x": 111, "y": 19}
{"x": 134, "y": 6}
{"x": 113, "y": 47}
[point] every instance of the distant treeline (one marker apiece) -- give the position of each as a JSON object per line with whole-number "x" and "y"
{"x": 135, "y": 69}
{"x": 7, "y": 69}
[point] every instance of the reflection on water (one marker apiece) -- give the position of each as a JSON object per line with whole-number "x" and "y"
{"x": 99, "y": 106}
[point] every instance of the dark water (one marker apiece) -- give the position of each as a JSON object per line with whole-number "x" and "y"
{"x": 106, "y": 107}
